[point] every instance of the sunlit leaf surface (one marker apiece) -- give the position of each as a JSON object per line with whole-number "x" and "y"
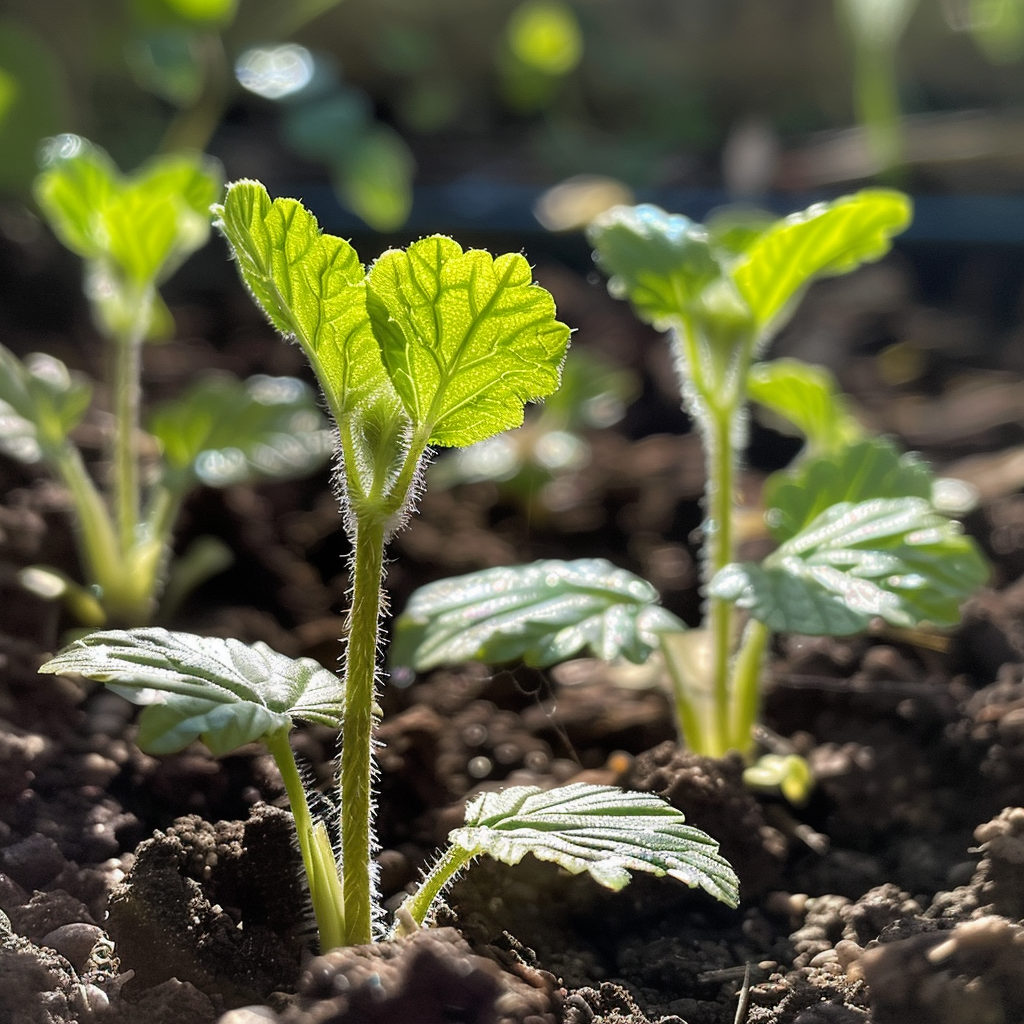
{"x": 603, "y": 830}
{"x": 894, "y": 559}
{"x": 541, "y": 613}
{"x": 223, "y": 692}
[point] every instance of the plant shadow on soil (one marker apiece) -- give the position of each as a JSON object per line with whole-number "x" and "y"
{"x": 896, "y": 894}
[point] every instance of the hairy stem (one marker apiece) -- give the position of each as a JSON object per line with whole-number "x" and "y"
{"x": 356, "y": 772}
{"x": 415, "y": 908}
{"x": 746, "y": 685}
{"x": 322, "y": 878}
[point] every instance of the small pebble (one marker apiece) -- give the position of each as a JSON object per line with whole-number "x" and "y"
{"x": 249, "y": 1015}
{"x": 74, "y": 942}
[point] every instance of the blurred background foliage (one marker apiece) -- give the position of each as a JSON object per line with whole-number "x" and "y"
{"x": 375, "y": 96}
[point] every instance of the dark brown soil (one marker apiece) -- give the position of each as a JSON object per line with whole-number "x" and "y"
{"x": 138, "y": 891}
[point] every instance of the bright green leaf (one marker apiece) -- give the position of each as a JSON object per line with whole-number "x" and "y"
{"x": 602, "y": 830}
{"x": 311, "y": 287}
{"x": 808, "y": 397}
{"x": 542, "y": 613}
{"x": 223, "y": 692}
{"x": 41, "y": 402}
{"x": 374, "y": 179}
{"x": 871, "y": 468}
{"x": 894, "y": 559}
{"x": 223, "y": 431}
{"x": 825, "y": 239}
{"x": 661, "y": 262}
{"x": 467, "y": 338}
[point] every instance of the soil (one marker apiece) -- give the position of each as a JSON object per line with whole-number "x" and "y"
{"x": 137, "y": 890}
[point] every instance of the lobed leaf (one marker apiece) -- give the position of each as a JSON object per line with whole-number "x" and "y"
{"x": 823, "y": 240}
{"x": 41, "y": 402}
{"x": 871, "y": 468}
{"x": 223, "y": 692}
{"x": 224, "y": 431}
{"x": 661, "y": 262}
{"x": 311, "y": 287}
{"x": 467, "y": 339}
{"x": 542, "y": 613}
{"x": 809, "y": 398}
{"x": 602, "y": 830}
{"x": 892, "y": 558}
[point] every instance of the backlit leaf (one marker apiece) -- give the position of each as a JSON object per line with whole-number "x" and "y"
{"x": 223, "y": 692}
{"x": 891, "y": 558}
{"x": 374, "y": 178}
{"x": 603, "y": 830}
{"x": 543, "y": 614}
{"x": 223, "y": 431}
{"x": 808, "y": 397}
{"x": 871, "y": 468}
{"x": 467, "y": 339}
{"x": 311, "y": 287}
{"x": 660, "y": 262}
{"x": 41, "y": 402}
{"x": 825, "y": 239}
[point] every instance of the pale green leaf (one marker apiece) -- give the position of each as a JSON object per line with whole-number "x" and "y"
{"x": 894, "y": 559}
{"x": 543, "y": 614}
{"x": 660, "y": 262}
{"x": 41, "y": 402}
{"x": 825, "y": 239}
{"x": 223, "y": 692}
{"x": 224, "y": 431}
{"x": 603, "y": 830}
{"x": 871, "y": 468}
{"x": 467, "y": 339}
{"x": 809, "y": 398}
{"x": 311, "y": 287}
{"x": 374, "y": 179}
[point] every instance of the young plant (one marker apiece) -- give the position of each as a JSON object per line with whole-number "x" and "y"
{"x": 133, "y": 233}
{"x": 861, "y": 534}
{"x": 431, "y": 345}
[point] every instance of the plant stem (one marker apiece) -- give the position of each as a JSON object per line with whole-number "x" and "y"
{"x": 322, "y": 878}
{"x": 721, "y": 485}
{"x": 417, "y": 906}
{"x": 125, "y": 382}
{"x": 356, "y": 772}
{"x": 746, "y": 685}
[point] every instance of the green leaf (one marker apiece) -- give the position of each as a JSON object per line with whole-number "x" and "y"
{"x": 374, "y": 179}
{"x": 467, "y": 339}
{"x": 41, "y": 402}
{"x": 808, "y": 397}
{"x": 893, "y": 558}
{"x": 542, "y": 613}
{"x": 661, "y": 262}
{"x": 223, "y": 692}
{"x": 871, "y": 468}
{"x": 602, "y": 830}
{"x": 145, "y": 224}
{"x": 311, "y": 287}
{"x": 825, "y": 239}
{"x": 223, "y": 431}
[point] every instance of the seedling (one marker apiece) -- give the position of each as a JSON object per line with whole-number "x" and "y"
{"x": 862, "y": 535}
{"x": 432, "y": 345}
{"x": 133, "y": 233}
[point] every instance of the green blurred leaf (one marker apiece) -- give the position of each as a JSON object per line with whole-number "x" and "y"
{"x": 219, "y": 11}
{"x": 895, "y": 559}
{"x": 466, "y": 338}
{"x": 871, "y": 468}
{"x": 825, "y": 239}
{"x": 223, "y": 431}
{"x": 41, "y": 402}
{"x": 809, "y": 398}
{"x": 223, "y": 692}
{"x": 168, "y": 64}
{"x": 327, "y": 129}
{"x": 311, "y": 287}
{"x": 543, "y": 614}
{"x": 998, "y": 29}
{"x": 545, "y": 36}
{"x": 661, "y": 262}
{"x": 603, "y": 830}
{"x": 374, "y": 179}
